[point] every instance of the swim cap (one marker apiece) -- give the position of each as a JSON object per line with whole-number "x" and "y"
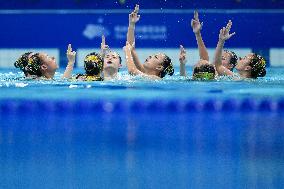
{"x": 258, "y": 65}
{"x": 93, "y": 64}
{"x": 204, "y": 76}
{"x": 168, "y": 67}
{"x": 85, "y": 77}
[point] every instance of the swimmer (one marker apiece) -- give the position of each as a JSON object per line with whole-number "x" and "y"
{"x": 156, "y": 66}
{"x": 37, "y": 65}
{"x": 203, "y": 69}
{"x": 251, "y": 66}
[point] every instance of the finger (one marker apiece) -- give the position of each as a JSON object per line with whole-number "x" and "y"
{"x": 136, "y": 8}
{"x": 196, "y": 15}
{"x": 138, "y": 17}
{"x": 191, "y": 23}
{"x": 229, "y": 25}
{"x": 232, "y": 34}
{"x": 103, "y": 40}
{"x": 69, "y": 49}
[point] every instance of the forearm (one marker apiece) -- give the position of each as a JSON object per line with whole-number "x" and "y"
{"x": 68, "y": 71}
{"x": 203, "y": 53}
{"x": 130, "y": 33}
{"x": 218, "y": 60}
{"x": 130, "y": 63}
{"x": 182, "y": 69}
{"x": 218, "y": 53}
{"x": 137, "y": 63}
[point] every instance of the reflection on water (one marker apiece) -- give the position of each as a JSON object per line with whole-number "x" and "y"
{"x": 214, "y": 150}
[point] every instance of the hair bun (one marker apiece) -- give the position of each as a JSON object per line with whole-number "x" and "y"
{"x": 23, "y": 61}
{"x": 262, "y": 73}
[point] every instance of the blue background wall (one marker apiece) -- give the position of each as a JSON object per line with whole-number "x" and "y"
{"x": 163, "y": 24}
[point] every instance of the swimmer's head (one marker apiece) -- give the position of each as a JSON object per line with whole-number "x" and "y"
{"x": 37, "y": 64}
{"x": 112, "y": 60}
{"x": 203, "y": 70}
{"x": 252, "y": 64}
{"x": 93, "y": 64}
{"x": 229, "y": 59}
{"x": 159, "y": 63}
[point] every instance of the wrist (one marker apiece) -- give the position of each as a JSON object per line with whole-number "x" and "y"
{"x": 222, "y": 40}
{"x": 71, "y": 62}
{"x": 132, "y": 24}
{"x": 198, "y": 33}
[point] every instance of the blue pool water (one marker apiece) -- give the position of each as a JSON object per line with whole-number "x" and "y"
{"x": 136, "y": 133}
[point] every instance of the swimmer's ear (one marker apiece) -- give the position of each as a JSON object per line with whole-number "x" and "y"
{"x": 247, "y": 68}
{"x": 160, "y": 68}
{"x": 43, "y": 67}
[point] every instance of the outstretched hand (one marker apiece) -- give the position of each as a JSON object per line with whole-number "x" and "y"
{"x": 195, "y": 23}
{"x": 225, "y": 32}
{"x": 133, "y": 16}
{"x": 71, "y": 55}
{"x": 182, "y": 55}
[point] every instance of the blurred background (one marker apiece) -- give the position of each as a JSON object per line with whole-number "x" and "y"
{"x": 49, "y": 25}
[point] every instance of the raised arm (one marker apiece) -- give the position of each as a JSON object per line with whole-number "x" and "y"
{"x": 133, "y": 19}
{"x": 182, "y": 61}
{"x": 129, "y": 60}
{"x": 137, "y": 63}
{"x": 196, "y": 27}
{"x": 71, "y": 55}
{"x": 223, "y": 36}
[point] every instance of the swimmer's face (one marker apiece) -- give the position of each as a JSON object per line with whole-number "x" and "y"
{"x": 49, "y": 62}
{"x": 154, "y": 61}
{"x": 226, "y": 58}
{"x": 112, "y": 60}
{"x": 243, "y": 64}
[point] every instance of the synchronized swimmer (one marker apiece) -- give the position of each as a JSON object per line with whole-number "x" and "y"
{"x": 106, "y": 64}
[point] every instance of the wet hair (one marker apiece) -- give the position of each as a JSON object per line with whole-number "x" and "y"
{"x": 29, "y": 65}
{"x": 168, "y": 67}
{"x": 204, "y": 72}
{"x": 233, "y": 59}
{"x": 258, "y": 65}
{"x": 93, "y": 64}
